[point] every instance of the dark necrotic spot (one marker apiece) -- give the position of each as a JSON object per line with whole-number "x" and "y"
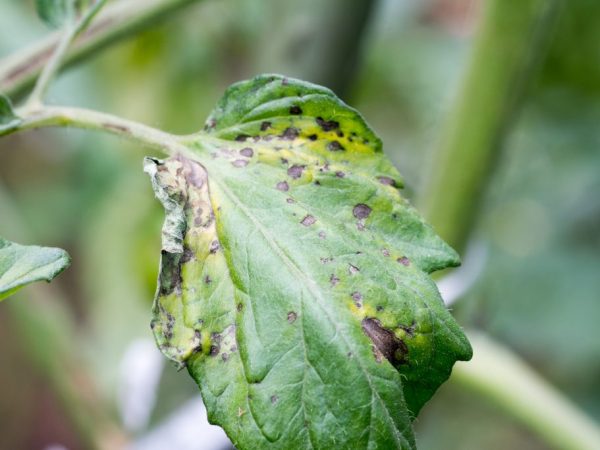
{"x": 385, "y": 342}
{"x": 225, "y": 356}
{"x": 340, "y": 174}
{"x": 353, "y": 269}
{"x": 317, "y": 182}
{"x": 308, "y": 220}
{"x": 335, "y": 146}
{"x": 240, "y": 307}
{"x": 290, "y": 200}
{"x": 361, "y": 211}
{"x": 404, "y": 261}
{"x": 295, "y": 171}
{"x": 291, "y": 317}
{"x": 290, "y": 133}
{"x": 282, "y": 186}
{"x": 387, "y": 181}
{"x": 241, "y": 137}
{"x": 207, "y": 279}
{"x": 247, "y": 151}
{"x": 327, "y": 125}
{"x": 379, "y": 308}
{"x": 385, "y": 252}
{"x": 274, "y": 399}
{"x": 340, "y": 133}
{"x": 284, "y": 161}
{"x": 322, "y": 234}
{"x": 313, "y": 137}
{"x": 295, "y": 110}
{"x": 357, "y": 297}
{"x": 240, "y": 163}
{"x": 214, "y": 246}
{"x": 334, "y": 280}
{"x": 265, "y": 125}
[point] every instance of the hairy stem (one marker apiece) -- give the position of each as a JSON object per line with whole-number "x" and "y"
{"x": 500, "y": 375}
{"x": 117, "y": 21}
{"x": 52, "y": 116}
{"x": 71, "y": 31}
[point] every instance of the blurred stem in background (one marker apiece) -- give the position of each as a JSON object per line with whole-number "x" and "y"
{"x": 323, "y": 48}
{"x": 510, "y": 44}
{"x": 46, "y": 330}
{"x": 117, "y": 21}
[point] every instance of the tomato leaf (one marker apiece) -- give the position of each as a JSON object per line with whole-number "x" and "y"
{"x": 294, "y": 277}
{"x": 21, "y": 265}
{"x": 55, "y": 12}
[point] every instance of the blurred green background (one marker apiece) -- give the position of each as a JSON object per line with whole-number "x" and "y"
{"x": 400, "y": 63}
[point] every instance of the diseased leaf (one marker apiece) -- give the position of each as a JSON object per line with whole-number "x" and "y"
{"x": 294, "y": 277}
{"x": 21, "y": 265}
{"x": 8, "y": 119}
{"x": 55, "y": 12}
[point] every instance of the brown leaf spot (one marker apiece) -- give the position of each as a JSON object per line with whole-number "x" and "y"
{"x": 282, "y": 186}
{"x": 240, "y": 163}
{"x": 295, "y": 110}
{"x": 334, "y": 280}
{"x": 387, "y": 181}
{"x": 404, "y": 261}
{"x": 290, "y": 133}
{"x": 265, "y": 125}
{"x": 327, "y": 125}
{"x": 241, "y": 137}
{"x": 357, "y": 297}
{"x": 335, "y": 146}
{"x": 295, "y": 171}
{"x": 247, "y": 152}
{"x": 361, "y": 211}
{"x": 385, "y": 342}
{"x": 385, "y": 252}
{"x": 214, "y": 247}
{"x": 291, "y": 317}
{"x": 308, "y": 220}
{"x": 353, "y": 269}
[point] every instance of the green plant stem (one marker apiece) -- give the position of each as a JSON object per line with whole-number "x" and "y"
{"x": 117, "y": 21}
{"x": 71, "y": 31}
{"x": 507, "y": 48}
{"x": 53, "y": 116}
{"x": 510, "y": 41}
{"x": 498, "y": 374}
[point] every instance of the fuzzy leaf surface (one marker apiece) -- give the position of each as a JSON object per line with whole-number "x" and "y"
{"x": 24, "y": 264}
{"x": 294, "y": 279}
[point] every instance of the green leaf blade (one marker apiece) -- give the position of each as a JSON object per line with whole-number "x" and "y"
{"x": 21, "y": 265}
{"x": 55, "y": 12}
{"x": 326, "y": 331}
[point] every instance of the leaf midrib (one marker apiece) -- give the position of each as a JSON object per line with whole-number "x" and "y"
{"x": 311, "y": 284}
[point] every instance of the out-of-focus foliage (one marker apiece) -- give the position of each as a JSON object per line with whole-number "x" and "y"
{"x": 540, "y": 220}
{"x": 21, "y": 265}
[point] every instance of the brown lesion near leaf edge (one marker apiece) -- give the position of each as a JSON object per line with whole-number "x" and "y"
{"x": 385, "y": 343}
